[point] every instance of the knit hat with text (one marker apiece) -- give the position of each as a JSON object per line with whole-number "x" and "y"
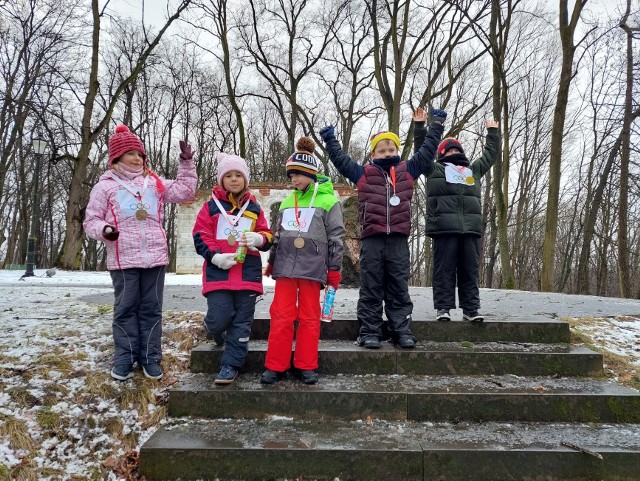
{"x": 303, "y": 161}
{"x": 122, "y": 141}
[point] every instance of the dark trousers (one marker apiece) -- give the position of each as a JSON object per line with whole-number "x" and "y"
{"x": 231, "y": 313}
{"x": 455, "y": 262}
{"x": 137, "y": 315}
{"x": 384, "y": 277}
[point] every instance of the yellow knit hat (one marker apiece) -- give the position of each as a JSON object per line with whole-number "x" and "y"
{"x": 375, "y": 138}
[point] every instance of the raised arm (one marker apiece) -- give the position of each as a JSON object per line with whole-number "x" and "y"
{"x": 422, "y": 160}
{"x": 183, "y": 188}
{"x": 345, "y": 164}
{"x": 489, "y": 154}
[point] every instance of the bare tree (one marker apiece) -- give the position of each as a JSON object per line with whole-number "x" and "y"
{"x": 567, "y": 30}
{"x": 286, "y": 40}
{"x": 625, "y": 152}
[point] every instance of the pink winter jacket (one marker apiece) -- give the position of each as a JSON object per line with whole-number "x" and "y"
{"x": 142, "y": 243}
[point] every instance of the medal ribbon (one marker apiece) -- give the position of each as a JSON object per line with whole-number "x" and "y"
{"x": 231, "y": 219}
{"x": 131, "y": 187}
{"x": 393, "y": 178}
{"x": 295, "y": 204}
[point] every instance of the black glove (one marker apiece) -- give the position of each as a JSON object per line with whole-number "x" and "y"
{"x": 438, "y": 115}
{"x": 327, "y": 133}
{"x": 110, "y": 233}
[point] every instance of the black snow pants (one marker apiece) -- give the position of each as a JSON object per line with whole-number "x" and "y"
{"x": 455, "y": 262}
{"x": 384, "y": 277}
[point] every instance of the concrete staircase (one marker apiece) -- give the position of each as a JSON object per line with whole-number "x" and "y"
{"x": 492, "y": 401}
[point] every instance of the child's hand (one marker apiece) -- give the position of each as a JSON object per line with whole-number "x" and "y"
{"x": 224, "y": 261}
{"x": 334, "y": 278}
{"x": 186, "y": 153}
{"x": 110, "y": 233}
{"x": 268, "y": 270}
{"x": 438, "y": 115}
{"x": 252, "y": 240}
{"x": 491, "y": 124}
{"x": 419, "y": 115}
{"x": 327, "y": 133}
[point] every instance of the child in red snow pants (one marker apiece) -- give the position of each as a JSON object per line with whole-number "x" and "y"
{"x": 294, "y": 299}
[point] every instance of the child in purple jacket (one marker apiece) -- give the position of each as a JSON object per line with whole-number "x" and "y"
{"x": 126, "y": 212}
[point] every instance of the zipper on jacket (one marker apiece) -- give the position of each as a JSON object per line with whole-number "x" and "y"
{"x": 386, "y": 178}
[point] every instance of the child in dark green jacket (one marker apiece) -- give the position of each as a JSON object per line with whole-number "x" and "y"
{"x": 454, "y": 221}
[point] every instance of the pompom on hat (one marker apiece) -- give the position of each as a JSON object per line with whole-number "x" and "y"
{"x": 228, "y": 163}
{"x": 303, "y": 161}
{"x": 448, "y": 144}
{"x": 375, "y": 138}
{"x": 122, "y": 141}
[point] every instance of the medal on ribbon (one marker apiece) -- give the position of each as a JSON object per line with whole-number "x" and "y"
{"x": 394, "y": 199}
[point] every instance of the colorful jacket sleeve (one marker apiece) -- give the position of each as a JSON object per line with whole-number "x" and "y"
{"x": 334, "y": 225}
{"x": 96, "y": 212}
{"x": 183, "y": 188}
{"x": 345, "y": 164}
{"x": 204, "y": 233}
{"x": 274, "y": 242}
{"x": 489, "y": 155}
{"x": 425, "y": 147}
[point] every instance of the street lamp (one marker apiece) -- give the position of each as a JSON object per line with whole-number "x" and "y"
{"x": 39, "y": 146}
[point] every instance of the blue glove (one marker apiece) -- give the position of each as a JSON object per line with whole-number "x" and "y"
{"x": 438, "y": 115}
{"x": 327, "y": 133}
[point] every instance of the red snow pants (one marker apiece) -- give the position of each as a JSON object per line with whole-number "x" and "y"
{"x": 294, "y": 299}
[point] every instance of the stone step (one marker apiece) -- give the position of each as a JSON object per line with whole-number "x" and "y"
{"x": 345, "y": 327}
{"x": 281, "y": 448}
{"x": 433, "y": 358}
{"x": 414, "y": 398}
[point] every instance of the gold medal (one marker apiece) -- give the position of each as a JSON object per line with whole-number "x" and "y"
{"x": 298, "y": 242}
{"x": 141, "y": 214}
{"x": 231, "y": 240}
{"x": 470, "y": 180}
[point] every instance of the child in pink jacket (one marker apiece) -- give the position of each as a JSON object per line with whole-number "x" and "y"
{"x": 231, "y": 217}
{"x": 126, "y": 212}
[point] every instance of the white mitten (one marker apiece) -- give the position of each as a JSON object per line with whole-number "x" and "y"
{"x": 254, "y": 240}
{"x": 223, "y": 261}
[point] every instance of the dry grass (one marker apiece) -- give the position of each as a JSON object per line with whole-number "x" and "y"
{"x": 48, "y": 420}
{"x": 98, "y": 384}
{"x": 113, "y": 426}
{"x": 18, "y": 433}
{"x": 154, "y": 418}
{"x": 138, "y": 397}
{"x": 22, "y": 397}
{"x": 182, "y": 332}
{"x": 54, "y": 361}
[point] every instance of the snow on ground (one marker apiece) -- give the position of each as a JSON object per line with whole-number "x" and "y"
{"x": 61, "y": 415}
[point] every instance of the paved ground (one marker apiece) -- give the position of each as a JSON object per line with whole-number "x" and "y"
{"x": 496, "y": 303}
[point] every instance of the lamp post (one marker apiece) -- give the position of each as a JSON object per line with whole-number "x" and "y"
{"x": 39, "y": 146}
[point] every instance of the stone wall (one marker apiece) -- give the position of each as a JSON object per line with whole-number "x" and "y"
{"x": 268, "y": 195}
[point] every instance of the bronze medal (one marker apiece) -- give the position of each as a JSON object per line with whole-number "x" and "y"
{"x": 298, "y": 242}
{"x": 141, "y": 214}
{"x": 231, "y": 240}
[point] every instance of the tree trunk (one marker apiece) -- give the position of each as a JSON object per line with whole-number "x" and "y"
{"x": 625, "y": 154}
{"x": 567, "y": 29}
